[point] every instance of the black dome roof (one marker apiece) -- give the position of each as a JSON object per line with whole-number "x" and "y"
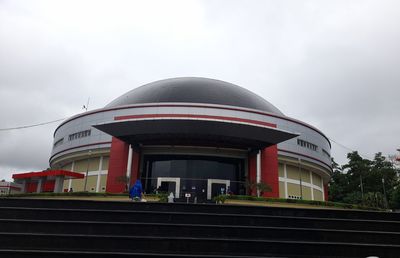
{"x": 195, "y": 90}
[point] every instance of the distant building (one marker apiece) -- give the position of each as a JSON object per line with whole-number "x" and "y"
{"x": 44, "y": 181}
{"x": 7, "y": 188}
{"x": 193, "y": 135}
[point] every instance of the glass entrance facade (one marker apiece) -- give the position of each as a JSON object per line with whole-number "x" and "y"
{"x": 192, "y": 173}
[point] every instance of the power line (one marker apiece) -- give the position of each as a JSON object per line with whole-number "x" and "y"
{"x": 29, "y": 126}
{"x": 347, "y": 148}
{"x": 57, "y": 120}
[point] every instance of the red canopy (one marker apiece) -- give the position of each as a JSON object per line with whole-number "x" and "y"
{"x": 48, "y": 173}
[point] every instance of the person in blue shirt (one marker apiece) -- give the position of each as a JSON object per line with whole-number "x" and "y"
{"x": 136, "y": 191}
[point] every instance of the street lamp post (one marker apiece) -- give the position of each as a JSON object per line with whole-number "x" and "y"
{"x": 384, "y": 192}
{"x": 362, "y": 189}
{"x": 87, "y": 170}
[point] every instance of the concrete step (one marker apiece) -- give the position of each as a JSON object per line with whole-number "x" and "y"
{"x": 206, "y": 208}
{"x": 196, "y": 230}
{"x": 196, "y": 218}
{"x": 12, "y": 253}
{"x": 194, "y": 245}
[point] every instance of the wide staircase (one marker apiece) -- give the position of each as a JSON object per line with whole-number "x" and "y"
{"x": 75, "y": 228}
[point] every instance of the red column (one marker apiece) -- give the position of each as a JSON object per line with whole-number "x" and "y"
{"x": 252, "y": 177}
{"x": 326, "y": 192}
{"x": 135, "y": 166}
{"x": 117, "y": 166}
{"x": 269, "y": 170}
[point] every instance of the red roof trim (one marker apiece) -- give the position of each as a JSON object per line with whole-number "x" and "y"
{"x": 254, "y": 111}
{"x": 47, "y": 173}
{"x": 224, "y": 118}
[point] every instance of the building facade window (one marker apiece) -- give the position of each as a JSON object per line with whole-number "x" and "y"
{"x": 78, "y": 135}
{"x": 307, "y": 145}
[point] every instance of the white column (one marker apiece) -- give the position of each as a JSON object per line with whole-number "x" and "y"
{"x": 23, "y": 186}
{"x": 129, "y": 166}
{"x": 258, "y": 177}
{"x": 58, "y": 185}
{"x": 99, "y": 175}
{"x": 285, "y": 175}
{"x": 39, "y": 186}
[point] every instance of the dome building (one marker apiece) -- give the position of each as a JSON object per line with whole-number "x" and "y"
{"x": 193, "y": 135}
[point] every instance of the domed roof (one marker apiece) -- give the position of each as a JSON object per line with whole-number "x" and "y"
{"x": 194, "y": 90}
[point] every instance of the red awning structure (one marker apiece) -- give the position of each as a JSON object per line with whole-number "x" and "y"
{"x": 47, "y": 181}
{"x": 48, "y": 173}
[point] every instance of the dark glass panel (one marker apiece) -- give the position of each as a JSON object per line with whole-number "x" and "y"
{"x": 193, "y": 171}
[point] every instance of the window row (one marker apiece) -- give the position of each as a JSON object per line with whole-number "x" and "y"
{"x": 307, "y": 145}
{"x": 78, "y": 135}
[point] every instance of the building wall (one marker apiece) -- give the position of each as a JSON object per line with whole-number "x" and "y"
{"x": 97, "y": 174}
{"x": 98, "y": 139}
{"x": 72, "y": 154}
{"x": 293, "y": 177}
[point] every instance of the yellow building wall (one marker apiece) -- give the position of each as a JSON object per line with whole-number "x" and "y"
{"x": 104, "y": 166}
{"x": 317, "y": 180}
{"x": 65, "y": 185}
{"x": 318, "y": 195}
{"x": 281, "y": 170}
{"x": 305, "y": 176}
{"x": 103, "y": 183}
{"x": 82, "y": 165}
{"x": 293, "y": 189}
{"x": 77, "y": 184}
{"x": 292, "y": 172}
{"x": 67, "y": 167}
{"x": 91, "y": 183}
{"x": 306, "y": 192}
{"x": 282, "y": 190}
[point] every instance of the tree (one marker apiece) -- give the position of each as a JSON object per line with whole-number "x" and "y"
{"x": 394, "y": 202}
{"x": 254, "y": 186}
{"x": 263, "y": 188}
{"x": 339, "y": 184}
{"x": 123, "y": 179}
{"x": 251, "y": 186}
{"x": 365, "y": 181}
{"x": 357, "y": 170}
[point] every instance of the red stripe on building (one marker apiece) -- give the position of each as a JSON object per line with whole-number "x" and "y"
{"x": 224, "y": 118}
{"x": 47, "y": 173}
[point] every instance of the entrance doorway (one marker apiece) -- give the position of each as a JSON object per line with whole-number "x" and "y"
{"x": 169, "y": 184}
{"x": 216, "y": 187}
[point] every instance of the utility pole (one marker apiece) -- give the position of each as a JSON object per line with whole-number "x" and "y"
{"x": 301, "y": 183}
{"x": 87, "y": 170}
{"x": 384, "y": 192}
{"x": 362, "y": 189}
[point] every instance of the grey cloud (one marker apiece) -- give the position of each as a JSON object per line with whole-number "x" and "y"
{"x": 331, "y": 64}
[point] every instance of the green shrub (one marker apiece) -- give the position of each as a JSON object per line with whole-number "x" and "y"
{"x": 220, "y": 198}
{"x": 162, "y": 197}
{"x": 309, "y": 202}
{"x": 64, "y": 194}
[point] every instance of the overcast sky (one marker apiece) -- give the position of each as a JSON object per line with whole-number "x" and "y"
{"x": 332, "y": 64}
